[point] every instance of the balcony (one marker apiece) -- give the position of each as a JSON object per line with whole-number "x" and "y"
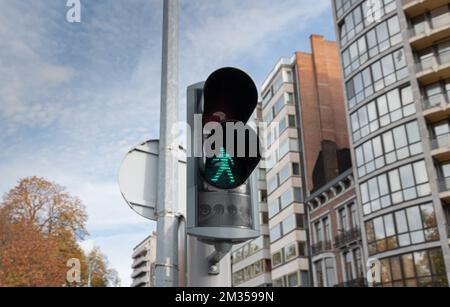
{"x": 415, "y": 7}
{"x": 444, "y": 189}
{"x": 433, "y": 69}
{"x": 347, "y": 237}
{"x": 440, "y": 147}
{"x": 321, "y": 247}
{"x": 140, "y": 270}
{"x": 355, "y": 283}
{"x": 436, "y": 108}
{"x": 137, "y": 262}
{"x": 429, "y": 34}
{"x": 141, "y": 281}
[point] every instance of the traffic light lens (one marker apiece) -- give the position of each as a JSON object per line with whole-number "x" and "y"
{"x": 223, "y": 171}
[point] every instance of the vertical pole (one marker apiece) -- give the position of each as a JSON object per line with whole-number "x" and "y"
{"x": 167, "y": 223}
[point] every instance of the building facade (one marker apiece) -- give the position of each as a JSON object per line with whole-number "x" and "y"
{"x": 250, "y": 261}
{"x": 306, "y": 146}
{"x": 144, "y": 257}
{"x": 336, "y": 249}
{"x": 396, "y": 70}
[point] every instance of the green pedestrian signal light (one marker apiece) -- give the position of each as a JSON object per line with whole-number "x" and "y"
{"x": 224, "y": 163}
{"x": 221, "y": 171}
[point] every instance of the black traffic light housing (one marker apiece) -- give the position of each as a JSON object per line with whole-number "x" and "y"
{"x": 222, "y": 203}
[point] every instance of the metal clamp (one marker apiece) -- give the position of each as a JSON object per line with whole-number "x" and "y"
{"x": 221, "y": 249}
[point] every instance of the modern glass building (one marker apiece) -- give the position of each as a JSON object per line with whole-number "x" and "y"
{"x": 396, "y": 70}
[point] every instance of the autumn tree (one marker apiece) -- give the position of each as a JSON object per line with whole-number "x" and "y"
{"x": 40, "y": 225}
{"x": 27, "y": 257}
{"x": 99, "y": 273}
{"x": 48, "y": 206}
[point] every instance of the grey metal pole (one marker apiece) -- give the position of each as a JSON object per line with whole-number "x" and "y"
{"x": 167, "y": 211}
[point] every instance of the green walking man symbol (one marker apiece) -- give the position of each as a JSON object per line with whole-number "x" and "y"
{"x": 226, "y": 161}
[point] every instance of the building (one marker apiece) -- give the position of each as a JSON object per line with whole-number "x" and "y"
{"x": 396, "y": 70}
{"x": 144, "y": 257}
{"x": 250, "y": 261}
{"x": 336, "y": 250}
{"x": 306, "y": 144}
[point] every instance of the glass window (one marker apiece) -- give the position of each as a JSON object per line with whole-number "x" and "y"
{"x": 422, "y": 264}
{"x": 284, "y": 174}
{"x": 407, "y": 177}
{"x": 330, "y": 272}
{"x": 272, "y": 184}
{"x": 293, "y": 280}
{"x": 290, "y": 252}
{"x": 410, "y": 227}
{"x": 289, "y": 224}
{"x": 277, "y": 258}
{"x": 274, "y": 207}
{"x": 286, "y": 198}
{"x": 275, "y": 233}
{"x": 402, "y": 224}
{"x": 420, "y": 172}
{"x": 291, "y": 119}
{"x": 414, "y": 218}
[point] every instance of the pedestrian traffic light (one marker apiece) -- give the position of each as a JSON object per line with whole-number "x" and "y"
{"x": 221, "y": 190}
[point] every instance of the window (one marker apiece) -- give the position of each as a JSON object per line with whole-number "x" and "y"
{"x": 354, "y": 220}
{"x": 295, "y": 169}
{"x": 289, "y": 145}
{"x": 274, "y": 207}
{"x": 354, "y": 22}
{"x": 272, "y": 184}
{"x": 389, "y": 69}
{"x": 264, "y": 218}
{"x": 293, "y": 280}
{"x": 284, "y": 174}
{"x": 275, "y": 233}
{"x": 286, "y": 198}
{"x": 319, "y": 274}
{"x": 384, "y": 36}
{"x": 348, "y": 265}
{"x": 343, "y": 219}
{"x": 402, "y": 228}
{"x": 263, "y": 196}
{"x": 287, "y": 225}
{"x": 418, "y": 269}
{"x": 250, "y": 248}
{"x": 357, "y": 256}
{"x": 277, "y": 258}
{"x": 278, "y": 282}
{"x": 291, "y": 121}
{"x": 304, "y": 278}
{"x": 330, "y": 272}
{"x": 405, "y": 183}
{"x": 251, "y": 271}
{"x": 326, "y": 229}
{"x": 278, "y": 106}
{"x": 318, "y": 231}
{"x": 290, "y": 252}
{"x": 398, "y": 144}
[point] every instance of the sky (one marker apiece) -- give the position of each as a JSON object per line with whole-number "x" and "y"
{"x": 75, "y": 97}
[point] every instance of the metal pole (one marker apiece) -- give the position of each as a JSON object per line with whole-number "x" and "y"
{"x": 167, "y": 211}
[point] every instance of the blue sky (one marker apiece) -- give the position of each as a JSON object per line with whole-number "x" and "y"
{"x": 74, "y": 98}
